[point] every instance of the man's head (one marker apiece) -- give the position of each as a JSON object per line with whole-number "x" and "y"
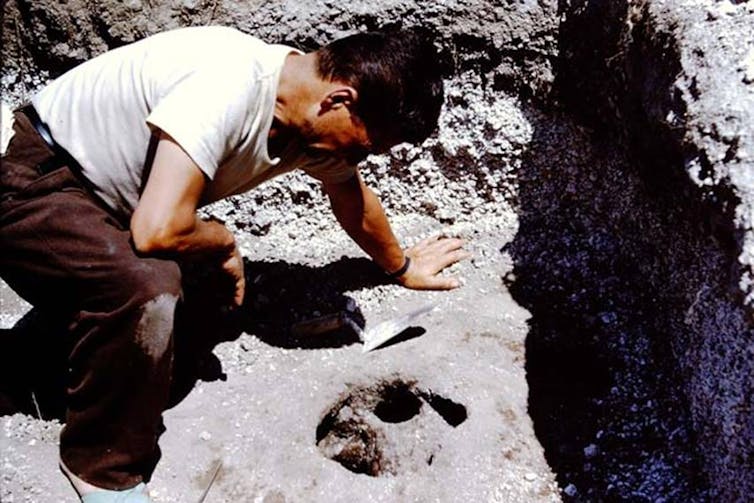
{"x": 385, "y": 88}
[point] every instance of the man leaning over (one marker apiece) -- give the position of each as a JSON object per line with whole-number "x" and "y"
{"x": 109, "y": 163}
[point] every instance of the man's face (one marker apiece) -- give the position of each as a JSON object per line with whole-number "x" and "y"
{"x": 339, "y": 133}
{"x": 335, "y": 130}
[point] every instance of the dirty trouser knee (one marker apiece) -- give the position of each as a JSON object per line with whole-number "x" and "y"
{"x": 62, "y": 251}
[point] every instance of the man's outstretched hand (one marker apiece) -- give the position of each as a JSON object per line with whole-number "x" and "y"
{"x": 428, "y": 258}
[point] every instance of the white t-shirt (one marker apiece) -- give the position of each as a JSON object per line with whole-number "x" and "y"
{"x": 213, "y": 89}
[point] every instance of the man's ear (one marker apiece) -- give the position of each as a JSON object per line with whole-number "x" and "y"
{"x": 342, "y": 96}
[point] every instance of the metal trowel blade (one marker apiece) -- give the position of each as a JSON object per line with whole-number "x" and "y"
{"x": 382, "y": 332}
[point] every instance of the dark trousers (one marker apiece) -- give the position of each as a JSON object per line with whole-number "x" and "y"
{"x": 64, "y": 252}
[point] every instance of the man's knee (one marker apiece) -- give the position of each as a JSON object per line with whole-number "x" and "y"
{"x": 154, "y": 287}
{"x": 155, "y": 327}
{"x": 147, "y": 279}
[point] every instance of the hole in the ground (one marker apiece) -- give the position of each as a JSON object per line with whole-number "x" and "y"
{"x": 398, "y": 404}
{"x": 355, "y": 445}
{"x": 452, "y": 412}
{"x": 355, "y": 434}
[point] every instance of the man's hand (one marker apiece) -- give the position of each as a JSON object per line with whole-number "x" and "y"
{"x": 361, "y": 215}
{"x": 428, "y": 258}
{"x": 233, "y": 266}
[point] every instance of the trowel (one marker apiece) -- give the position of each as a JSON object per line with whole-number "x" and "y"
{"x": 383, "y": 332}
{"x": 372, "y": 337}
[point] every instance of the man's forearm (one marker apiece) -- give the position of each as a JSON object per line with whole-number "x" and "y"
{"x": 193, "y": 238}
{"x": 360, "y": 213}
{"x": 165, "y": 220}
{"x": 372, "y": 232}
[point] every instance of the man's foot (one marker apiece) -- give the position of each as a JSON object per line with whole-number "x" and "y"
{"x": 93, "y": 494}
{"x": 136, "y": 494}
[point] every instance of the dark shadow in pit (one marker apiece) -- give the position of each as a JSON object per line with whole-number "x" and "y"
{"x": 450, "y": 411}
{"x": 33, "y": 364}
{"x": 604, "y": 394}
{"x": 398, "y": 404}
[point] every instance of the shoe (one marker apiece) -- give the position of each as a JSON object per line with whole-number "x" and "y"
{"x": 92, "y": 494}
{"x": 136, "y": 494}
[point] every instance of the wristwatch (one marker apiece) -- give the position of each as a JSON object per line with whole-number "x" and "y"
{"x": 400, "y": 272}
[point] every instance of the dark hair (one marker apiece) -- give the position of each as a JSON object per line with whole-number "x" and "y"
{"x": 397, "y": 75}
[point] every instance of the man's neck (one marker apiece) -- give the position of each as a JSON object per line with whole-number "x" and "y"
{"x": 278, "y": 137}
{"x": 297, "y": 92}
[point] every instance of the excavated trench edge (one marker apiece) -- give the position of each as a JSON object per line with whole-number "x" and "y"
{"x": 595, "y": 406}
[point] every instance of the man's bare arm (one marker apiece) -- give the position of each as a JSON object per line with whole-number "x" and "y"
{"x": 165, "y": 219}
{"x": 361, "y": 215}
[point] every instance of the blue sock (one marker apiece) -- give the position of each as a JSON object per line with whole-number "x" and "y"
{"x": 134, "y": 495}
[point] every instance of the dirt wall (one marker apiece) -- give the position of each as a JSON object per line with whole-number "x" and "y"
{"x": 512, "y": 43}
{"x": 672, "y": 82}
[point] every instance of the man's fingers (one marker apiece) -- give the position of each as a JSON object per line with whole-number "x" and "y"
{"x": 443, "y": 283}
{"x": 450, "y": 244}
{"x": 240, "y": 292}
{"x": 453, "y": 257}
{"x": 430, "y": 256}
{"x": 233, "y": 266}
{"x": 424, "y": 243}
{"x": 437, "y": 264}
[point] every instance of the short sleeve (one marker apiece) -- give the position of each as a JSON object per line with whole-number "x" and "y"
{"x": 332, "y": 170}
{"x": 204, "y": 113}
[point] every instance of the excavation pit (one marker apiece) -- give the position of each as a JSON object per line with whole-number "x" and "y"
{"x": 398, "y": 405}
{"x": 374, "y": 430}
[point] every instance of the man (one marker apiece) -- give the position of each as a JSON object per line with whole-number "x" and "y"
{"x": 102, "y": 180}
